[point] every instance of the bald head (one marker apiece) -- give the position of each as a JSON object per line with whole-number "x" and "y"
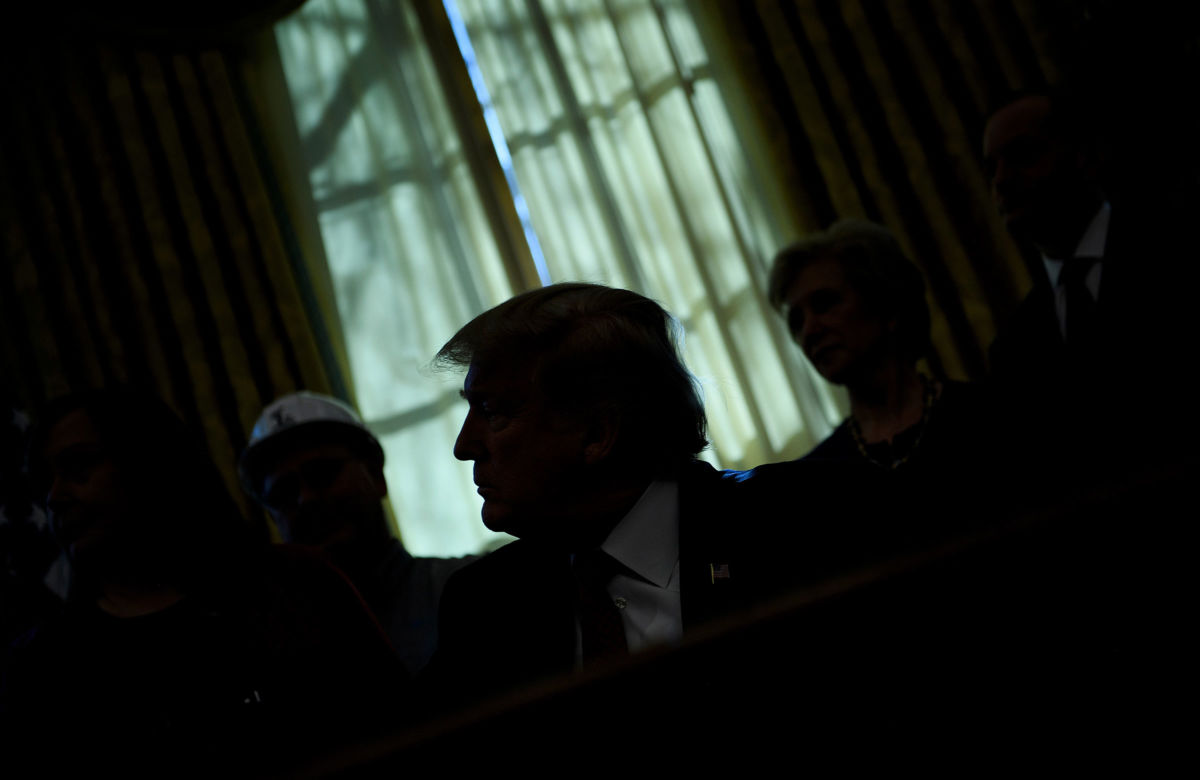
{"x": 1044, "y": 177}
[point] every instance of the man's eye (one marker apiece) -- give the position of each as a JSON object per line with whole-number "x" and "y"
{"x": 322, "y": 473}
{"x": 1026, "y": 152}
{"x": 796, "y": 320}
{"x": 78, "y": 466}
{"x": 496, "y": 414}
{"x": 824, "y": 301}
{"x": 281, "y": 494}
{"x": 490, "y": 408}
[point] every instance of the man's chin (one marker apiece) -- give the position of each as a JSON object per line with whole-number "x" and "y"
{"x": 1016, "y": 223}
{"x": 1023, "y": 223}
{"x": 338, "y": 538}
{"x": 498, "y": 519}
{"x": 833, "y": 372}
{"x": 503, "y": 520}
{"x": 839, "y": 370}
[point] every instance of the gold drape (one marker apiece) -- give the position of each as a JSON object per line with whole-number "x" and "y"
{"x": 153, "y": 234}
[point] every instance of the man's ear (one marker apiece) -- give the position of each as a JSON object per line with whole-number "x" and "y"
{"x": 600, "y": 438}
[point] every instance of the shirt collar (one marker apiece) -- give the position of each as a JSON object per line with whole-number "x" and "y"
{"x": 1091, "y": 244}
{"x": 646, "y": 541}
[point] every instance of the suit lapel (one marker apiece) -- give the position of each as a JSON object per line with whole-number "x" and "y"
{"x": 707, "y": 585}
{"x": 1042, "y": 315}
{"x": 536, "y": 608}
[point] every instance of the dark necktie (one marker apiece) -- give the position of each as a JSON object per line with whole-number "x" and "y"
{"x": 1081, "y": 307}
{"x": 600, "y": 623}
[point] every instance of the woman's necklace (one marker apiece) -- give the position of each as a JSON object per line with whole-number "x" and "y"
{"x": 929, "y": 395}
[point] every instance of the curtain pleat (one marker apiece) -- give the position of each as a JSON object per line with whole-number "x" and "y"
{"x": 142, "y": 244}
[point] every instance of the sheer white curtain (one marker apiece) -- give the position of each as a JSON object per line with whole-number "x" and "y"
{"x": 412, "y": 255}
{"x": 626, "y": 155}
{"x": 633, "y": 176}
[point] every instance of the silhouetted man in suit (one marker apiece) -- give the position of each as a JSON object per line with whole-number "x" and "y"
{"x": 1046, "y": 184}
{"x": 583, "y": 427}
{"x": 1095, "y": 351}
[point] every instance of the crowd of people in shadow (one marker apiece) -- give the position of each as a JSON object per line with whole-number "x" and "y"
{"x": 953, "y": 548}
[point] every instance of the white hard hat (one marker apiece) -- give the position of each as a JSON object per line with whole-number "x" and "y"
{"x": 300, "y": 410}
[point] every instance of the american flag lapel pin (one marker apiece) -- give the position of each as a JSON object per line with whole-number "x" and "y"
{"x": 718, "y": 571}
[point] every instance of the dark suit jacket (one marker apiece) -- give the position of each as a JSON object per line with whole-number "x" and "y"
{"x": 510, "y": 617}
{"x": 1139, "y": 293}
{"x": 1125, "y": 394}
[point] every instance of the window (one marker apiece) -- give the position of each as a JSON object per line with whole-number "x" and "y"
{"x": 620, "y": 162}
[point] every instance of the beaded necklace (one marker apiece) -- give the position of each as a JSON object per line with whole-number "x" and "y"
{"x": 929, "y": 395}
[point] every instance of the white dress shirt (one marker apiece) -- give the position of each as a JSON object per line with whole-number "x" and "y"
{"x": 1091, "y": 244}
{"x": 646, "y": 542}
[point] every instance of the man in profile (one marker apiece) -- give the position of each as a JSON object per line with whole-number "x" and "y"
{"x": 584, "y": 426}
{"x": 319, "y": 472}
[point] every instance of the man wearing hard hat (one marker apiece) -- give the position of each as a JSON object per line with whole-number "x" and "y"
{"x": 312, "y": 463}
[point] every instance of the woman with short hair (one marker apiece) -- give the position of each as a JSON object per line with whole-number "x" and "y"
{"x": 855, "y": 304}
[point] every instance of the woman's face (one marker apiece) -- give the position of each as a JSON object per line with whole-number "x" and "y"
{"x": 839, "y": 333}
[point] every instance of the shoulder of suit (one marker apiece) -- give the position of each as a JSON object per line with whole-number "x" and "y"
{"x": 513, "y": 551}
{"x": 515, "y": 560}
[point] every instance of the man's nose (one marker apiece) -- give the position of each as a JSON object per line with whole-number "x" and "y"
{"x": 1001, "y": 174}
{"x": 306, "y": 494}
{"x": 813, "y": 328}
{"x": 466, "y": 446}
